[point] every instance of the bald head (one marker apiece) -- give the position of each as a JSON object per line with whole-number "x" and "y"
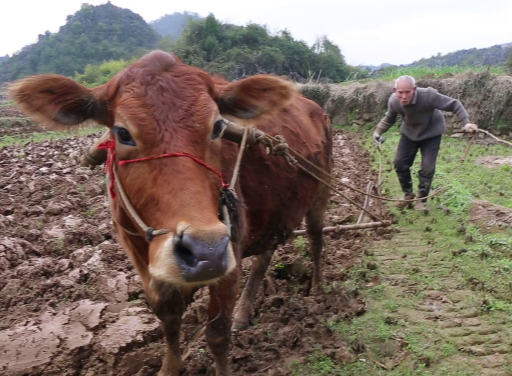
{"x": 405, "y": 80}
{"x": 405, "y": 87}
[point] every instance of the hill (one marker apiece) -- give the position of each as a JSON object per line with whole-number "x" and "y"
{"x": 173, "y": 25}
{"x": 3, "y": 59}
{"x": 92, "y": 35}
{"x": 373, "y": 68}
{"x": 494, "y": 55}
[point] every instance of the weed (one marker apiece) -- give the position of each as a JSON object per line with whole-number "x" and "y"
{"x": 45, "y": 136}
{"x": 318, "y": 365}
{"x": 59, "y": 244}
{"x": 300, "y": 243}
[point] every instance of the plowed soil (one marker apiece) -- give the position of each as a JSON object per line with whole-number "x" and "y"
{"x": 72, "y": 304}
{"x": 14, "y": 123}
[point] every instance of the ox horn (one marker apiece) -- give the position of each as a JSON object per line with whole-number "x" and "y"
{"x": 234, "y": 132}
{"x": 92, "y": 156}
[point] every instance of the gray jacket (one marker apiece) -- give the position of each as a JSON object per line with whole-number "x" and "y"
{"x": 422, "y": 118}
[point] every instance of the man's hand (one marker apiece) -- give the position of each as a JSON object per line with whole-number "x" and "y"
{"x": 377, "y": 138}
{"x": 470, "y": 128}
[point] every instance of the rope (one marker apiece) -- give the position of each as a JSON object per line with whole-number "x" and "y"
{"x": 339, "y": 192}
{"x": 234, "y": 178}
{"x": 493, "y": 136}
{"x": 488, "y": 134}
{"x": 107, "y": 180}
{"x": 149, "y": 231}
{"x": 470, "y": 142}
{"x": 173, "y": 155}
{"x": 349, "y": 186}
{"x": 228, "y": 203}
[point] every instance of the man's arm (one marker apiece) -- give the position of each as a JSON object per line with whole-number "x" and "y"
{"x": 387, "y": 121}
{"x": 445, "y": 103}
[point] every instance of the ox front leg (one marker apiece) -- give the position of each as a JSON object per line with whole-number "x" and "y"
{"x": 172, "y": 365}
{"x": 169, "y": 304}
{"x": 218, "y": 331}
{"x": 244, "y": 307}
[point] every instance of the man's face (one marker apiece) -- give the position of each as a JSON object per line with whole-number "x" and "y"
{"x": 405, "y": 92}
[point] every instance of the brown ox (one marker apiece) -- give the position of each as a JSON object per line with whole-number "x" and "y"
{"x": 160, "y": 105}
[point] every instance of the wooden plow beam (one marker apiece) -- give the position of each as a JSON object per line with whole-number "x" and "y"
{"x": 341, "y": 228}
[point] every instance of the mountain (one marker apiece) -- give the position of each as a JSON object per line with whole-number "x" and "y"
{"x": 173, "y": 25}
{"x": 494, "y": 55}
{"x": 372, "y": 68}
{"x": 92, "y": 35}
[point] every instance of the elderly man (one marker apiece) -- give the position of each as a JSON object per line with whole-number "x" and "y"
{"x": 422, "y": 128}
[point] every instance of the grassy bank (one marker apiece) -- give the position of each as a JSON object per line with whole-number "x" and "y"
{"x": 26, "y": 138}
{"x": 439, "y": 292}
{"x": 391, "y": 74}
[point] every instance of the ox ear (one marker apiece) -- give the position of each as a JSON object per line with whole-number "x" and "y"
{"x": 58, "y": 102}
{"x": 255, "y": 96}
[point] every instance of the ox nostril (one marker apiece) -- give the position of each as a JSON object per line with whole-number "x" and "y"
{"x": 200, "y": 260}
{"x": 184, "y": 253}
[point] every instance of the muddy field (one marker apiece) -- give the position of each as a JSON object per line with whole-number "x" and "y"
{"x": 14, "y": 123}
{"x": 72, "y": 304}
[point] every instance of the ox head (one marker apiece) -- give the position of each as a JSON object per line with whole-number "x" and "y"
{"x": 159, "y": 105}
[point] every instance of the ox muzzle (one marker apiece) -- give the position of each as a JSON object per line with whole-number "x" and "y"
{"x": 199, "y": 260}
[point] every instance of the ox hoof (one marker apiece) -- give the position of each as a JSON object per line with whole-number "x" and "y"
{"x": 239, "y": 326}
{"x": 167, "y": 373}
{"x": 87, "y": 163}
{"x": 84, "y": 162}
{"x": 171, "y": 368}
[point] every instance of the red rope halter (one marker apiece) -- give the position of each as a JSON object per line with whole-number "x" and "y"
{"x": 110, "y": 145}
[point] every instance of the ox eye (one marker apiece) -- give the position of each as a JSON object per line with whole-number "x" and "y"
{"x": 218, "y": 129}
{"x": 124, "y": 136}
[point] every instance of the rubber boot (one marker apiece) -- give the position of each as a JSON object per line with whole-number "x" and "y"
{"x": 405, "y": 179}
{"x": 423, "y": 191}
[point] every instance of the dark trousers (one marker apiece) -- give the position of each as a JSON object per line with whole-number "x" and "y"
{"x": 406, "y": 153}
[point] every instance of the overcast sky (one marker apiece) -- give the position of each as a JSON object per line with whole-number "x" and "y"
{"x": 367, "y": 31}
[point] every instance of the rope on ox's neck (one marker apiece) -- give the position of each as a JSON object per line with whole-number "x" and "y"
{"x": 111, "y": 171}
{"x": 228, "y": 203}
{"x": 149, "y": 231}
{"x": 239, "y": 158}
